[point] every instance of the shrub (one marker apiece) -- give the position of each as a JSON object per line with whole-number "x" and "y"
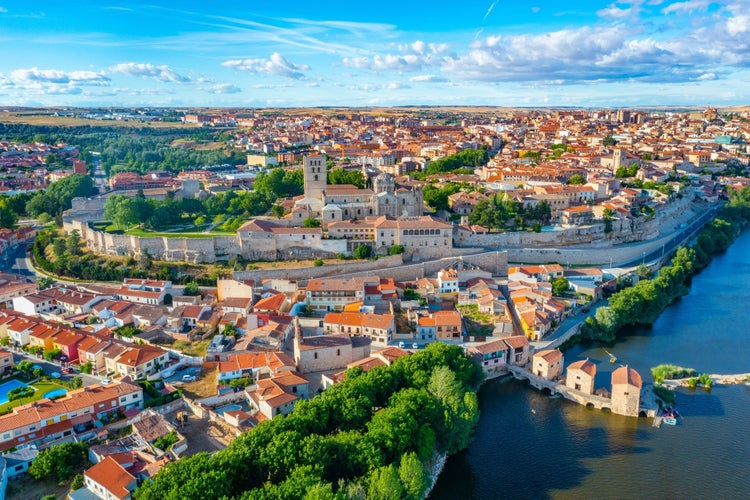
{"x": 166, "y": 441}
{"x": 318, "y": 262}
{"x": 396, "y": 249}
{"x": 362, "y": 252}
{"x": 664, "y": 372}
{"x": 77, "y": 482}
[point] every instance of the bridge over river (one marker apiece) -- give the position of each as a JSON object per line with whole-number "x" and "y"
{"x": 648, "y": 407}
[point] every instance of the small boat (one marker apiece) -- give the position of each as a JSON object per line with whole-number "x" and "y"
{"x": 669, "y": 416}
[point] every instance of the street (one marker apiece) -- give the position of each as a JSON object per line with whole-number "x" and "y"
{"x": 14, "y": 261}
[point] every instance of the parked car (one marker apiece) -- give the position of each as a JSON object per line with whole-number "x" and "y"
{"x": 55, "y": 375}
{"x": 106, "y": 381}
{"x": 67, "y": 370}
{"x": 188, "y": 378}
{"x": 167, "y": 373}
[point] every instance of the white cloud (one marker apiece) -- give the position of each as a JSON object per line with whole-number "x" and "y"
{"x": 415, "y": 56}
{"x": 223, "y": 88}
{"x": 275, "y": 65}
{"x": 687, "y": 6}
{"x": 427, "y": 78}
{"x": 589, "y": 54}
{"x": 612, "y": 11}
{"x": 161, "y": 73}
{"x": 35, "y": 81}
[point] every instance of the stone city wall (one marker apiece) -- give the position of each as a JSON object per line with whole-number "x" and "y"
{"x": 366, "y": 267}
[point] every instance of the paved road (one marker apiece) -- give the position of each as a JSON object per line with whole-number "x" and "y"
{"x": 15, "y": 262}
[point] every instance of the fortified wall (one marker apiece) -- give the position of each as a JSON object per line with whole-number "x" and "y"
{"x": 198, "y": 248}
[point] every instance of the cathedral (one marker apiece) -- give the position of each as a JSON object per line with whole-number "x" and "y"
{"x": 340, "y": 202}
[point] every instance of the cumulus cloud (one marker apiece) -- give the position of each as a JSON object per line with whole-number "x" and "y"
{"x": 223, "y": 88}
{"x": 161, "y": 73}
{"x": 585, "y": 54}
{"x": 52, "y": 81}
{"x": 276, "y": 65}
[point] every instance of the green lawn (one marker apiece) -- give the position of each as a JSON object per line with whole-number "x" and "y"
{"x": 191, "y": 232}
{"x": 42, "y": 387}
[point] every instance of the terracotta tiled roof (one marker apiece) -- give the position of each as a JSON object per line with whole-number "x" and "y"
{"x": 111, "y": 476}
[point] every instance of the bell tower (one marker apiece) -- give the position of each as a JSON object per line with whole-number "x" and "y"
{"x": 315, "y": 177}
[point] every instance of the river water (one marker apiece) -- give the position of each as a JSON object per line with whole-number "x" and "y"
{"x": 528, "y": 445}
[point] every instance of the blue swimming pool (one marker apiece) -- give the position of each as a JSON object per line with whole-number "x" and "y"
{"x": 6, "y": 387}
{"x": 55, "y": 393}
{"x": 227, "y": 408}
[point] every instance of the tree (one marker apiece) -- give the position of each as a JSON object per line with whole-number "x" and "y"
{"x": 192, "y": 289}
{"x": 144, "y": 260}
{"x": 577, "y": 179}
{"x": 607, "y": 216}
{"x": 277, "y": 211}
{"x": 413, "y": 476}
{"x": 384, "y": 484}
{"x": 87, "y": 367}
{"x": 60, "y": 460}
{"x": 609, "y": 140}
{"x": 311, "y": 222}
{"x": 230, "y": 330}
{"x": 560, "y": 286}
{"x": 643, "y": 271}
{"x": 73, "y": 242}
{"x": 76, "y": 382}
{"x": 59, "y": 247}
{"x": 362, "y": 252}
{"x": 77, "y": 482}
{"x": 342, "y": 176}
{"x": 52, "y": 354}
{"x": 8, "y": 217}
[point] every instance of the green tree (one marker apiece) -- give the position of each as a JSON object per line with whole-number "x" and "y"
{"x": 384, "y": 484}
{"x": 560, "y": 286}
{"x": 311, "y": 222}
{"x": 609, "y": 140}
{"x": 77, "y": 482}
{"x": 277, "y": 211}
{"x": 8, "y": 218}
{"x": 191, "y": 288}
{"x": 59, "y": 247}
{"x": 413, "y": 476}
{"x": 577, "y": 179}
{"x": 73, "y": 242}
{"x": 342, "y": 176}
{"x": 60, "y": 461}
{"x": 362, "y": 252}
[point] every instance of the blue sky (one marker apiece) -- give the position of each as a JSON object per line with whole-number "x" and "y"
{"x": 334, "y": 53}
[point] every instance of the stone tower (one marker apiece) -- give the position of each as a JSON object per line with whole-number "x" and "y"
{"x": 626, "y": 391}
{"x": 384, "y": 183}
{"x": 616, "y": 159}
{"x": 315, "y": 177}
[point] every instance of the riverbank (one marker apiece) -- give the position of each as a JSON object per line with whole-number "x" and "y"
{"x": 716, "y": 379}
{"x": 590, "y": 454}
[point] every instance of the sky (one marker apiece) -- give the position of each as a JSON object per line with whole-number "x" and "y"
{"x": 258, "y": 53}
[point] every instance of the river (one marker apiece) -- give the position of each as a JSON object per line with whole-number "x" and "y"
{"x": 528, "y": 445}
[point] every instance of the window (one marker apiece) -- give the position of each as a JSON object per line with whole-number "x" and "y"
{"x": 338, "y": 352}
{"x": 315, "y": 355}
